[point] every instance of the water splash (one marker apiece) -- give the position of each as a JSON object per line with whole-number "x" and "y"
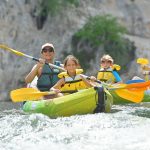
{"x": 122, "y": 129}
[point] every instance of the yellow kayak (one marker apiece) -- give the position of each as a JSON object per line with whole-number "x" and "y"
{"x": 86, "y": 101}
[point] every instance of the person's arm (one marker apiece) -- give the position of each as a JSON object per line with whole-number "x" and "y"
{"x": 87, "y": 82}
{"x": 56, "y": 88}
{"x": 36, "y": 70}
{"x": 29, "y": 78}
{"x": 117, "y": 76}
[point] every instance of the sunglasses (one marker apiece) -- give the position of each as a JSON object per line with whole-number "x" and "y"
{"x": 107, "y": 61}
{"x": 48, "y": 50}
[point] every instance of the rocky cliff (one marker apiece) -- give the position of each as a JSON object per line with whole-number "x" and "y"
{"x": 20, "y": 29}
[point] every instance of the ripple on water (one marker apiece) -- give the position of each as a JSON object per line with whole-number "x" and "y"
{"x": 123, "y": 129}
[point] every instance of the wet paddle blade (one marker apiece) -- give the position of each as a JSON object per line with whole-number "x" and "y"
{"x": 133, "y": 96}
{"x": 26, "y": 94}
{"x": 31, "y": 94}
{"x": 24, "y": 97}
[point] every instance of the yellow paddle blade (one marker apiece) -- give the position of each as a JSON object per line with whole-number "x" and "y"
{"x": 133, "y": 96}
{"x": 26, "y": 94}
{"x": 12, "y": 50}
{"x": 142, "y": 61}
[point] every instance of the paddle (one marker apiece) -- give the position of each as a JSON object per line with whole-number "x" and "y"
{"x": 132, "y": 86}
{"x": 144, "y": 62}
{"x": 28, "y": 94}
{"x": 28, "y": 56}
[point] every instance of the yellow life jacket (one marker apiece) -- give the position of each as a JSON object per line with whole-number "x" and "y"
{"x": 116, "y": 67}
{"x": 72, "y": 83}
{"x": 107, "y": 75}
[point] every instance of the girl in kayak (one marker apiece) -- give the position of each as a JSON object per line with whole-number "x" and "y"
{"x": 71, "y": 79}
{"x": 145, "y": 70}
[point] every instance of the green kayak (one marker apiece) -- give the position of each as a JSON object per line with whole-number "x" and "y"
{"x": 82, "y": 102}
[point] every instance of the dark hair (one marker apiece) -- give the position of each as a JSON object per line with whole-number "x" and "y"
{"x": 71, "y": 57}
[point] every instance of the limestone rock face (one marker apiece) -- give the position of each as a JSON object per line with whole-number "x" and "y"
{"x": 21, "y": 30}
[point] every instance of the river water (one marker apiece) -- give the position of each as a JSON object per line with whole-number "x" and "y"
{"x": 125, "y": 128}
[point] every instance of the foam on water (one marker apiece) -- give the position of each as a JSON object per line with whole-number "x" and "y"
{"x": 126, "y": 128}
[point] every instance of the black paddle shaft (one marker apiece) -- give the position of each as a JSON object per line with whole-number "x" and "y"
{"x": 36, "y": 59}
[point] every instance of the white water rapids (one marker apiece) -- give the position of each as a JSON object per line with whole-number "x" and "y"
{"x": 126, "y": 128}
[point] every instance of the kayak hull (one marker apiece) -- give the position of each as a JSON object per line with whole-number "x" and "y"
{"x": 82, "y": 102}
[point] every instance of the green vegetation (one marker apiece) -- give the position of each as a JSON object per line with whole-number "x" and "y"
{"x": 103, "y": 35}
{"x": 49, "y": 7}
{"x": 101, "y": 29}
{"x": 54, "y": 6}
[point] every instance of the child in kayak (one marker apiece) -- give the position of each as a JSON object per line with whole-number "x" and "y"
{"x": 145, "y": 70}
{"x": 108, "y": 71}
{"x": 71, "y": 79}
